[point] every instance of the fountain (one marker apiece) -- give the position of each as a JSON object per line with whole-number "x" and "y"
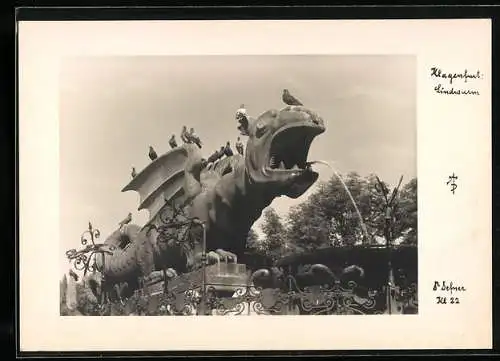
{"x": 330, "y": 165}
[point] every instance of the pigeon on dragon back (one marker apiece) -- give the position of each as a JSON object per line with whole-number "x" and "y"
{"x": 185, "y": 135}
{"x": 213, "y": 157}
{"x": 193, "y": 138}
{"x": 239, "y": 146}
{"x": 125, "y": 221}
{"x": 222, "y": 152}
{"x": 152, "y": 153}
{"x": 172, "y": 142}
{"x": 227, "y": 150}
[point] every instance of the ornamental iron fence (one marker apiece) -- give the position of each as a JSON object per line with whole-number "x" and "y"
{"x": 234, "y": 289}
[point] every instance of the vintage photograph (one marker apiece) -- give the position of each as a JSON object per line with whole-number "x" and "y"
{"x": 238, "y": 185}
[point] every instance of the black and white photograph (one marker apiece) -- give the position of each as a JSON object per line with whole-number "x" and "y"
{"x": 238, "y": 185}
{"x": 333, "y": 175}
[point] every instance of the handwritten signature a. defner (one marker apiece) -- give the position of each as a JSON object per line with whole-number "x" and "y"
{"x": 447, "y": 287}
{"x": 464, "y": 76}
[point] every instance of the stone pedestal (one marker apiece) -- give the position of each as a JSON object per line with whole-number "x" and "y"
{"x": 221, "y": 277}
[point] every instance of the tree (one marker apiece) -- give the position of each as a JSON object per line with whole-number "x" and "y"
{"x": 86, "y": 300}
{"x": 63, "y": 286}
{"x": 406, "y": 222}
{"x": 252, "y": 240}
{"x": 329, "y": 218}
{"x": 374, "y": 206}
{"x": 274, "y": 234}
{"x": 256, "y": 255}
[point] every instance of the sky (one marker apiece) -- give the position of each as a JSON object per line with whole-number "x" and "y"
{"x": 113, "y": 108}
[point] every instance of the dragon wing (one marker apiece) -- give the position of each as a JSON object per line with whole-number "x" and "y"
{"x": 161, "y": 181}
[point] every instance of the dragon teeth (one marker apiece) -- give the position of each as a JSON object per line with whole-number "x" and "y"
{"x": 272, "y": 162}
{"x": 295, "y": 167}
{"x": 282, "y": 165}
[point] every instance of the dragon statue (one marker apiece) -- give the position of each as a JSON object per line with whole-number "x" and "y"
{"x": 225, "y": 198}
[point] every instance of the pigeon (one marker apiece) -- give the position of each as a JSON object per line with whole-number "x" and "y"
{"x": 172, "y": 142}
{"x": 134, "y": 173}
{"x": 289, "y": 99}
{"x": 241, "y": 113}
{"x": 185, "y": 135}
{"x": 242, "y": 118}
{"x": 152, "y": 153}
{"x": 239, "y": 146}
{"x": 194, "y": 138}
{"x": 127, "y": 220}
{"x": 213, "y": 157}
{"x": 227, "y": 150}
{"x": 221, "y": 152}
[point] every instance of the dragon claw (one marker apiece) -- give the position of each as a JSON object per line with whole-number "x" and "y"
{"x": 227, "y": 256}
{"x": 171, "y": 273}
{"x": 213, "y": 257}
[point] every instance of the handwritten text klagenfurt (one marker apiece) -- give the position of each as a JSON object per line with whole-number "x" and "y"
{"x": 450, "y": 82}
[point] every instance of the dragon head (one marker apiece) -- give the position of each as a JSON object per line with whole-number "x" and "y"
{"x": 277, "y": 149}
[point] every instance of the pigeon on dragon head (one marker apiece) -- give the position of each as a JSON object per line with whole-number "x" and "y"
{"x": 227, "y": 198}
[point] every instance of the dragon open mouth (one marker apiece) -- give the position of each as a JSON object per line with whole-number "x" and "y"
{"x": 290, "y": 147}
{"x": 287, "y": 157}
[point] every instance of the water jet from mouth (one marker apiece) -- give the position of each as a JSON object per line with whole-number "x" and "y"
{"x": 330, "y": 165}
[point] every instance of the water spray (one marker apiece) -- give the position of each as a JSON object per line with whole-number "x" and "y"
{"x": 330, "y": 165}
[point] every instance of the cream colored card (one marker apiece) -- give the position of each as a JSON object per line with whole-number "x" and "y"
{"x": 72, "y": 167}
